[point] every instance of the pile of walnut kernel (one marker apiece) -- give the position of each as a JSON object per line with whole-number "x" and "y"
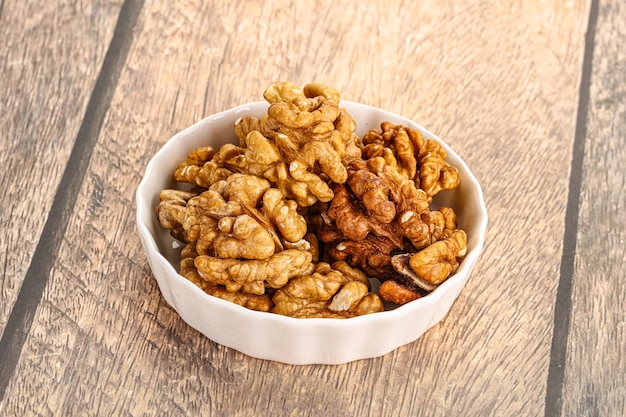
{"x": 296, "y": 217}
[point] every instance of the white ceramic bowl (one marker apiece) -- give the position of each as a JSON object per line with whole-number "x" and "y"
{"x": 285, "y": 339}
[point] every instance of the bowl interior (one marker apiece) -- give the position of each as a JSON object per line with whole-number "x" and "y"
{"x": 217, "y": 130}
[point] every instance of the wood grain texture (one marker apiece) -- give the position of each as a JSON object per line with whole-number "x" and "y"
{"x": 595, "y": 375}
{"x": 498, "y": 83}
{"x": 50, "y": 55}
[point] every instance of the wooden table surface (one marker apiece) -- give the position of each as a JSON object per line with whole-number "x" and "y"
{"x": 530, "y": 93}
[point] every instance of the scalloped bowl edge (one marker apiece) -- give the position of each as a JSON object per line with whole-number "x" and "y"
{"x": 285, "y": 339}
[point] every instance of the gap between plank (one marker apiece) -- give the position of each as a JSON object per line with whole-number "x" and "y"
{"x": 563, "y": 304}
{"x": 38, "y": 273}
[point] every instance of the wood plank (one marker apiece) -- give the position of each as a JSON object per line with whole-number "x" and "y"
{"x": 595, "y": 373}
{"x": 498, "y": 83}
{"x": 50, "y": 56}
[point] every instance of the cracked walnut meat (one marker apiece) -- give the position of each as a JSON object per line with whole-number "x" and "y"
{"x": 296, "y": 215}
